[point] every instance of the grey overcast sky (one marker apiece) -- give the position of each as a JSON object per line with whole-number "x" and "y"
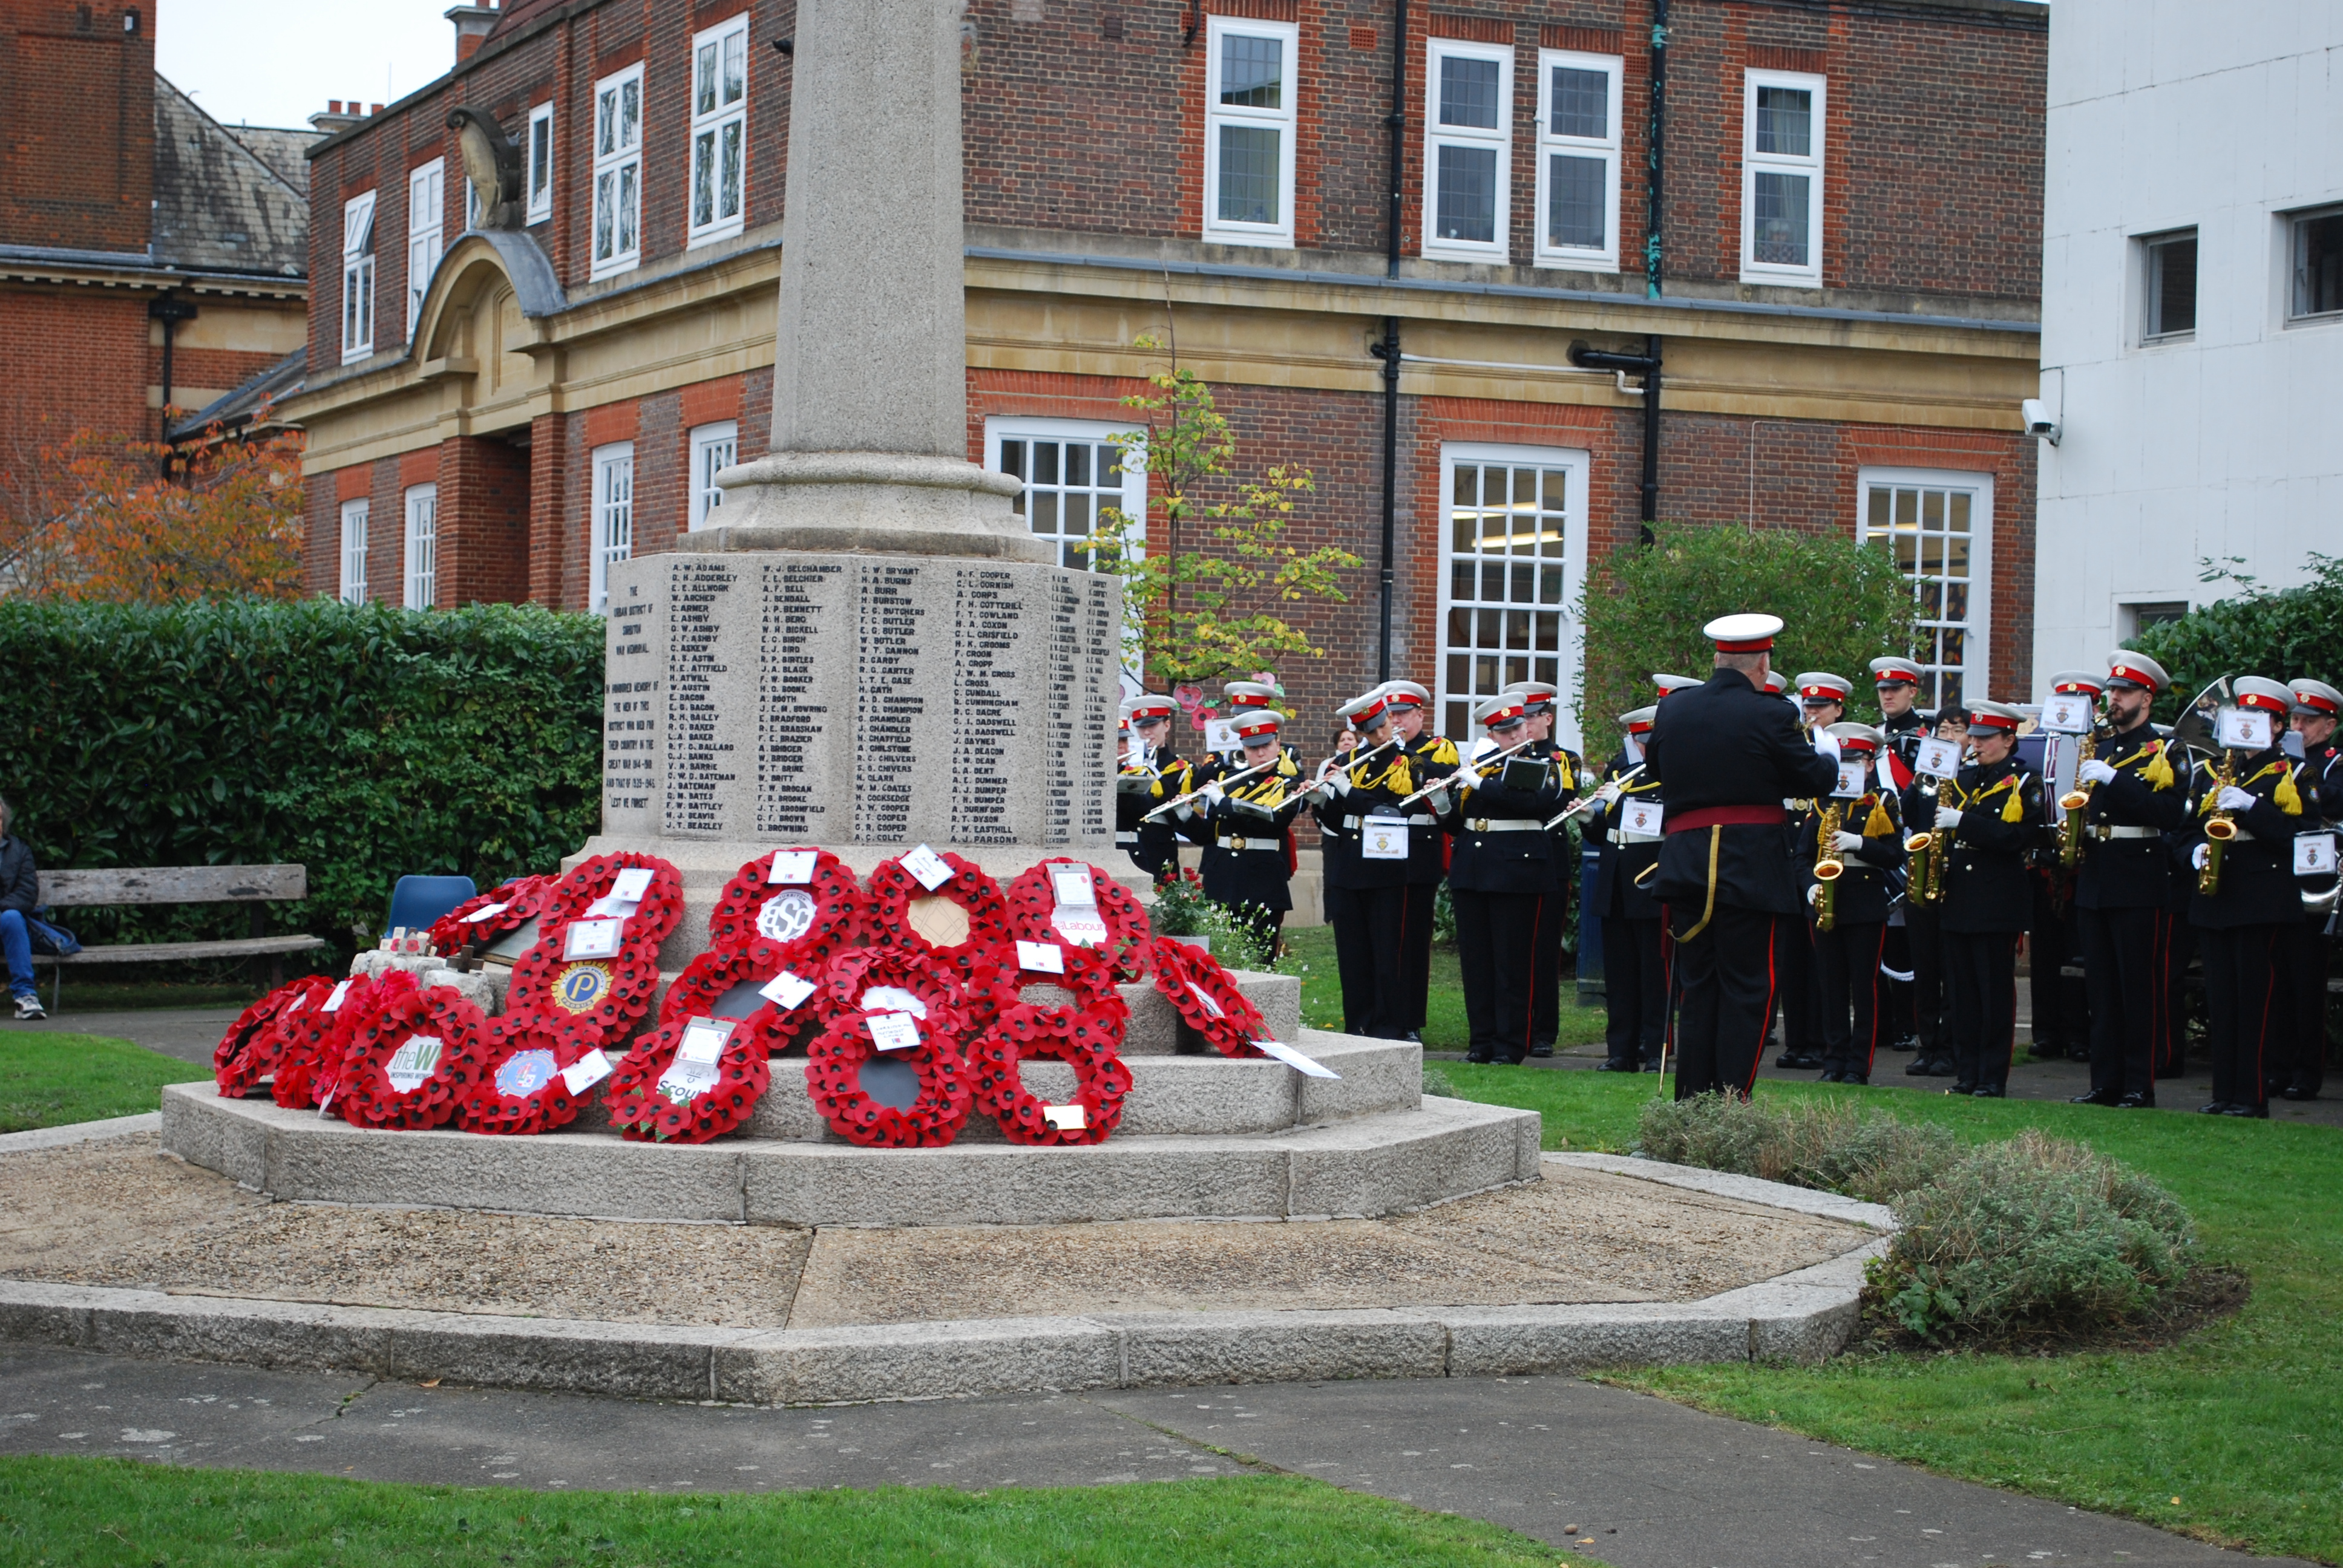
{"x": 276, "y": 61}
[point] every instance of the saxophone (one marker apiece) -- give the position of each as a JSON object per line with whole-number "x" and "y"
{"x": 1828, "y": 868}
{"x": 2074, "y": 803}
{"x": 1927, "y": 879}
{"x": 2219, "y": 827}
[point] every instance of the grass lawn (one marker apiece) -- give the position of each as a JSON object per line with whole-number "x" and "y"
{"x": 2235, "y": 1435}
{"x": 49, "y": 1079}
{"x": 118, "y": 1511}
{"x": 1310, "y": 953}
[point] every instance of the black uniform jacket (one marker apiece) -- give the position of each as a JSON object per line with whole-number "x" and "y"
{"x": 1563, "y": 859}
{"x": 1729, "y": 745}
{"x": 1377, "y": 787}
{"x": 1618, "y": 896}
{"x": 1492, "y": 855}
{"x": 1867, "y": 886}
{"x": 2149, "y": 795}
{"x": 1156, "y": 846}
{"x": 1431, "y": 757}
{"x": 1986, "y": 886}
{"x": 1244, "y": 854}
{"x": 2257, "y": 886}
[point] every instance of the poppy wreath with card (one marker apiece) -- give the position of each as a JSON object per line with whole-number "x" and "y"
{"x": 1033, "y": 906}
{"x": 938, "y": 990}
{"x": 523, "y": 899}
{"x": 250, "y": 1050}
{"x": 590, "y": 1002}
{"x": 399, "y": 1011}
{"x": 834, "y": 1079}
{"x": 787, "y": 923}
{"x": 314, "y": 1040}
{"x": 643, "y": 1111}
{"x": 1086, "y": 1033}
{"x": 519, "y": 1091}
{"x": 708, "y": 978}
{"x": 1206, "y": 996}
{"x": 893, "y": 890}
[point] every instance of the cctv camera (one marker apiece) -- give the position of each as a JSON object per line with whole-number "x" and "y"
{"x": 2038, "y": 422}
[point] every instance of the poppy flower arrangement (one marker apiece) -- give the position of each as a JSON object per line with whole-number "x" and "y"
{"x": 1206, "y": 996}
{"x": 1086, "y": 1032}
{"x": 895, "y": 886}
{"x": 1033, "y": 900}
{"x": 679, "y": 1086}
{"x": 589, "y": 1001}
{"x": 516, "y": 904}
{"x": 520, "y": 1090}
{"x": 792, "y": 907}
{"x": 250, "y": 1049}
{"x": 315, "y": 1037}
{"x": 412, "y": 1054}
{"x": 932, "y": 1051}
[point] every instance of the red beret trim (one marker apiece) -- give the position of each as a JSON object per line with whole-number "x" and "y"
{"x": 2126, "y": 672}
{"x": 1991, "y": 721}
{"x": 1504, "y": 715}
{"x": 2265, "y": 703}
{"x": 1758, "y": 645}
{"x": 1896, "y": 675}
{"x": 2311, "y": 700}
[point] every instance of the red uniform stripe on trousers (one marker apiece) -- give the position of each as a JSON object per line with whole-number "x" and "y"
{"x": 1529, "y": 1012}
{"x": 1765, "y": 1019}
{"x": 2270, "y": 998}
{"x": 2009, "y": 1049}
{"x": 1878, "y": 1002}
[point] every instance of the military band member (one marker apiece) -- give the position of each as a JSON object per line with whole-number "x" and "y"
{"x": 1867, "y": 845}
{"x": 2243, "y": 918}
{"x": 1993, "y": 811}
{"x": 1895, "y": 685}
{"x": 1822, "y": 702}
{"x": 2123, "y": 883}
{"x": 2316, "y": 708}
{"x": 1538, "y": 699}
{"x": 2062, "y": 1021}
{"x": 1725, "y": 757}
{"x": 1496, "y": 810}
{"x": 1669, "y": 684}
{"x": 1924, "y": 922}
{"x": 1366, "y": 876}
{"x": 1634, "y": 972}
{"x": 1244, "y": 825}
{"x": 1432, "y": 756}
{"x": 1154, "y": 846}
{"x": 1238, "y": 698}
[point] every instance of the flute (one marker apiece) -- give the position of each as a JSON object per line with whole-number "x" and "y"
{"x": 1479, "y": 770}
{"x": 1584, "y": 805}
{"x": 1217, "y": 783}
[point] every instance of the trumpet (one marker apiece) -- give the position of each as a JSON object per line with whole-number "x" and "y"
{"x": 1828, "y": 868}
{"x": 2219, "y": 827}
{"x": 1584, "y": 806}
{"x": 1223, "y": 783}
{"x": 1478, "y": 771}
{"x": 2074, "y": 803}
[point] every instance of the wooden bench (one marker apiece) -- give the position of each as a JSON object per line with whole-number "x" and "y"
{"x": 254, "y": 885}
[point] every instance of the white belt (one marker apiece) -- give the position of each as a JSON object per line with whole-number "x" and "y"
{"x": 1415, "y": 820}
{"x": 1251, "y": 844}
{"x": 1127, "y": 836}
{"x": 1624, "y": 838}
{"x": 2105, "y": 831}
{"x": 1504, "y": 825}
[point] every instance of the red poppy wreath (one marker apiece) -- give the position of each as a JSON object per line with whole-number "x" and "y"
{"x": 688, "y": 1081}
{"x": 250, "y": 1050}
{"x": 834, "y": 1079}
{"x": 412, "y": 1052}
{"x": 591, "y": 994}
{"x": 520, "y": 1089}
{"x": 1207, "y": 997}
{"x": 516, "y": 903}
{"x": 1086, "y": 1033}
{"x": 315, "y": 1037}
{"x": 782, "y": 1017}
{"x": 894, "y": 890}
{"x": 879, "y": 979}
{"x": 1033, "y": 909}
{"x": 791, "y": 907}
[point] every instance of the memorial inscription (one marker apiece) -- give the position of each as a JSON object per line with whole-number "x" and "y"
{"x": 799, "y": 597}
{"x": 698, "y": 754}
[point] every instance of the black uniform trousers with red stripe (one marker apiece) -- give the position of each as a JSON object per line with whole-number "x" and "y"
{"x": 1728, "y": 979}
{"x": 1981, "y": 985}
{"x": 2241, "y": 978}
{"x": 2122, "y": 964}
{"x": 1849, "y": 990}
{"x": 2305, "y": 952}
{"x": 1497, "y": 938}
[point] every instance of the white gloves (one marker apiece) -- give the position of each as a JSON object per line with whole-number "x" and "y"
{"x": 1342, "y": 782}
{"x": 2199, "y": 855}
{"x": 2233, "y": 799}
{"x": 1848, "y": 843}
{"x": 1318, "y": 794}
{"x": 1214, "y": 793}
{"x": 1826, "y": 744}
{"x": 1609, "y": 794}
{"x": 1185, "y": 810}
{"x": 1438, "y": 801}
{"x": 1815, "y": 895}
{"x": 1948, "y": 818}
{"x": 2095, "y": 772}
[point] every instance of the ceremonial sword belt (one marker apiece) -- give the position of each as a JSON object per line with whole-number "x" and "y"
{"x": 1503, "y": 825}
{"x": 1623, "y": 838}
{"x": 2102, "y": 831}
{"x": 1240, "y": 842}
{"x": 1413, "y": 819}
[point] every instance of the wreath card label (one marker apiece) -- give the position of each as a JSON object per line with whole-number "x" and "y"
{"x": 1308, "y": 1066}
{"x": 693, "y": 1071}
{"x": 927, "y": 868}
{"x": 1041, "y": 958}
{"x": 413, "y": 1062}
{"x": 1212, "y": 1003}
{"x": 791, "y": 868}
{"x": 593, "y": 940}
{"x": 786, "y": 991}
{"x": 585, "y": 1071}
{"x": 1065, "y": 1118}
{"x": 1077, "y": 918}
{"x": 332, "y": 1002}
{"x": 894, "y": 1031}
{"x": 488, "y": 913}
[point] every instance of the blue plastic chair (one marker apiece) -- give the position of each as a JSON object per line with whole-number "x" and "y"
{"x": 417, "y": 901}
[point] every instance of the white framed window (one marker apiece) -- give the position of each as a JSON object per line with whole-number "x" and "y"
{"x": 1249, "y": 131}
{"x": 357, "y": 277}
{"x": 618, "y": 172}
{"x": 1938, "y": 525}
{"x": 2168, "y": 287}
{"x": 1783, "y": 119}
{"x": 1073, "y": 471}
{"x": 719, "y": 129}
{"x": 714, "y": 448}
{"x": 1513, "y": 543}
{"x": 422, "y": 546}
{"x": 613, "y": 514}
{"x": 1468, "y": 119}
{"x": 2314, "y": 246}
{"x": 541, "y": 163}
{"x": 354, "y": 551}
{"x": 1578, "y": 160}
{"x": 427, "y": 231}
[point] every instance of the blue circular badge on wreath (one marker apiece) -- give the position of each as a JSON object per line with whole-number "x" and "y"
{"x": 581, "y": 987}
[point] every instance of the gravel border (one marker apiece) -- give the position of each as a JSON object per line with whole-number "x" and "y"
{"x": 1807, "y": 1315}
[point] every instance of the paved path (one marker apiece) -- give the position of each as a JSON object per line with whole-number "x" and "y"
{"x": 1645, "y": 1483}
{"x": 189, "y": 1034}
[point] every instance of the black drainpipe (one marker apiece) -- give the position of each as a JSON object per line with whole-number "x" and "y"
{"x": 170, "y": 310}
{"x": 1387, "y": 349}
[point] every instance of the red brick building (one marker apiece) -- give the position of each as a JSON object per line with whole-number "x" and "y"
{"x": 149, "y": 257}
{"x": 1843, "y": 293}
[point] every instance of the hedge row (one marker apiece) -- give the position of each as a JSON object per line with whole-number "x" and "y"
{"x": 361, "y": 742}
{"x": 2281, "y": 634}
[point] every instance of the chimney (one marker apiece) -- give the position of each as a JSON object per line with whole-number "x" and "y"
{"x": 473, "y": 25}
{"x": 334, "y": 119}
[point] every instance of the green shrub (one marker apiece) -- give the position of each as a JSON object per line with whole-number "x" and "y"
{"x": 2035, "y": 1231}
{"x": 361, "y": 742}
{"x": 1828, "y": 1145}
{"x": 1843, "y": 603}
{"x": 1438, "y": 1082}
{"x": 2285, "y": 636}
{"x": 1181, "y": 909}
